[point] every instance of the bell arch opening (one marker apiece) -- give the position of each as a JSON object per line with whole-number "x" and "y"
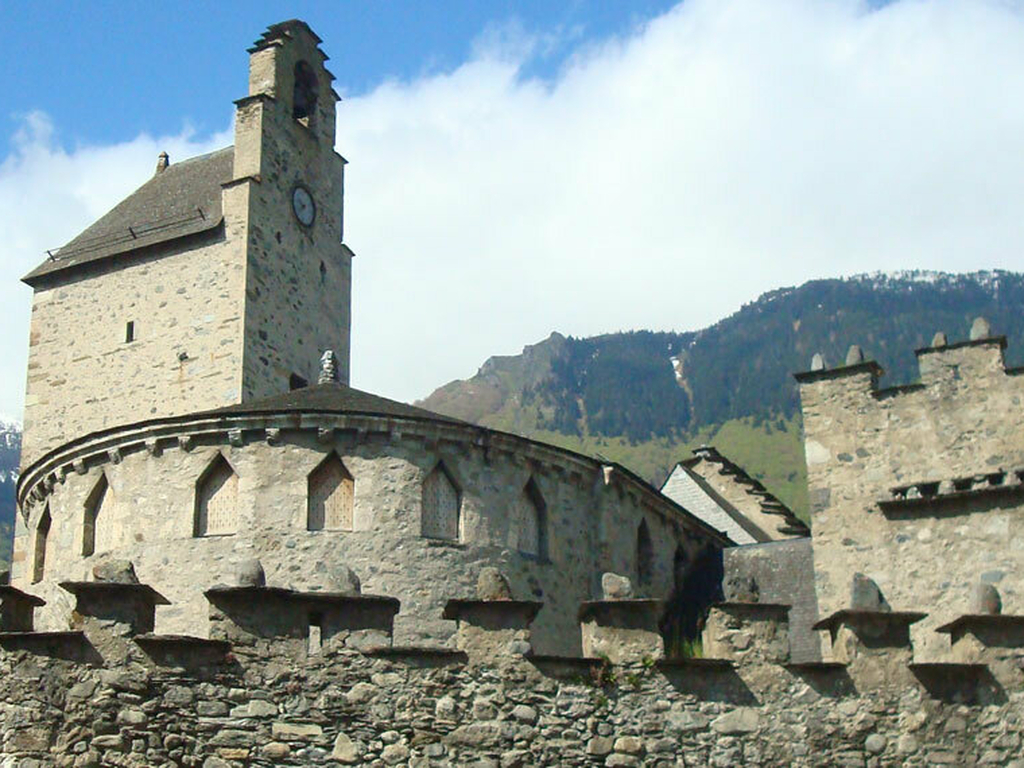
{"x": 304, "y": 94}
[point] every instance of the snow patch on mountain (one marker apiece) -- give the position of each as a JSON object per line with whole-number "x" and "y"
{"x": 986, "y": 278}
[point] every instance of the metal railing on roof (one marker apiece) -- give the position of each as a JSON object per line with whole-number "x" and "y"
{"x": 130, "y": 234}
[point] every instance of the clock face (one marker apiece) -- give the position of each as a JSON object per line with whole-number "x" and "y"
{"x": 303, "y": 205}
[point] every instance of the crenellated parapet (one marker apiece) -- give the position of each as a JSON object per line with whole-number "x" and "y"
{"x": 277, "y": 694}
{"x": 980, "y": 357}
{"x": 917, "y": 486}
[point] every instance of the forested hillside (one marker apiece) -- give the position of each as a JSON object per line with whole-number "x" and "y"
{"x": 10, "y": 453}
{"x": 645, "y": 398}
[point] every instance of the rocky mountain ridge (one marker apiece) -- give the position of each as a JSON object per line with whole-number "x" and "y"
{"x": 646, "y": 397}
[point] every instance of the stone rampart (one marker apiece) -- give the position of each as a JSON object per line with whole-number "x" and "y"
{"x": 151, "y": 475}
{"x": 106, "y": 695}
{"x": 918, "y": 486}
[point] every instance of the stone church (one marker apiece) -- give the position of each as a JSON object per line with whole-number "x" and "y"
{"x": 188, "y": 410}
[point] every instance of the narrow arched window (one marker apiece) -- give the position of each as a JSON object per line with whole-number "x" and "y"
{"x": 644, "y": 555}
{"x": 98, "y": 524}
{"x": 304, "y": 94}
{"x": 329, "y": 502}
{"x": 42, "y": 535}
{"x": 217, "y": 500}
{"x": 528, "y": 526}
{"x": 441, "y": 502}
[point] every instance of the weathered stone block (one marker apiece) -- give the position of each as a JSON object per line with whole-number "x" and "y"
{"x": 490, "y": 629}
{"x": 296, "y": 731}
{"x": 739, "y": 721}
{"x": 622, "y": 631}
{"x": 748, "y": 633}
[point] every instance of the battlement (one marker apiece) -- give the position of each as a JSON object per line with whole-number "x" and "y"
{"x": 294, "y": 693}
{"x": 917, "y": 485}
{"x": 978, "y": 357}
{"x": 965, "y": 391}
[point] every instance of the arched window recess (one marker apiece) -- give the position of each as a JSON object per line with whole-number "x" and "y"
{"x": 442, "y": 506}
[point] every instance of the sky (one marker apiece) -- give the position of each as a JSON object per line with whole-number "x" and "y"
{"x": 517, "y": 168}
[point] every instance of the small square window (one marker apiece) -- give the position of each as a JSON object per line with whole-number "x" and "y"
{"x": 129, "y": 332}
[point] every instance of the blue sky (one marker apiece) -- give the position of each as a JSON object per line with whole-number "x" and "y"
{"x": 519, "y": 168}
{"x": 105, "y": 71}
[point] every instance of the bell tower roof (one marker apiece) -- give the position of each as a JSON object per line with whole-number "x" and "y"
{"x": 290, "y": 28}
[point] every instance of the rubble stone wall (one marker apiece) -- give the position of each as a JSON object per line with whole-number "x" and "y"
{"x": 861, "y": 443}
{"x": 418, "y": 708}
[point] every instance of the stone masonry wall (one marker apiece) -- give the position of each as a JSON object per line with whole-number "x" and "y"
{"x": 963, "y": 419}
{"x": 83, "y": 376}
{"x": 415, "y": 708}
{"x": 591, "y": 525}
{"x": 298, "y": 280}
{"x": 784, "y": 573}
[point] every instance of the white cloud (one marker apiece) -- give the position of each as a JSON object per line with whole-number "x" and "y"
{"x": 48, "y": 195}
{"x": 659, "y": 180}
{"x": 663, "y": 179}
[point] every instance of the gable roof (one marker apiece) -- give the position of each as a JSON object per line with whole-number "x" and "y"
{"x": 183, "y": 199}
{"x": 333, "y": 397}
{"x": 768, "y": 503}
{"x": 689, "y": 490}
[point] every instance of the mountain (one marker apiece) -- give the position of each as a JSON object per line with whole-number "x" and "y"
{"x": 645, "y": 398}
{"x": 10, "y": 453}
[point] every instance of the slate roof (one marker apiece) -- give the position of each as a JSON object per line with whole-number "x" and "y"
{"x": 334, "y": 398}
{"x": 688, "y": 490}
{"x": 769, "y": 503}
{"x": 182, "y": 200}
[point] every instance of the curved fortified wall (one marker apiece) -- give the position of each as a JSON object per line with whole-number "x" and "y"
{"x": 920, "y": 486}
{"x": 272, "y": 688}
{"x": 413, "y": 506}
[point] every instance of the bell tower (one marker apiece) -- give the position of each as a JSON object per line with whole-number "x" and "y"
{"x": 289, "y": 181}
{"x": 219, "y": 281}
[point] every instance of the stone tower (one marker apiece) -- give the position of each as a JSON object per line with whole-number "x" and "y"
{"x": 219, "y": 281}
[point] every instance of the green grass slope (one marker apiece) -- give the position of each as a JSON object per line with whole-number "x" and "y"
{"x": 646, "y": 398}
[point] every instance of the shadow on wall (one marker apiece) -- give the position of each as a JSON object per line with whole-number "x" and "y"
{"x": 698, "y": 585}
